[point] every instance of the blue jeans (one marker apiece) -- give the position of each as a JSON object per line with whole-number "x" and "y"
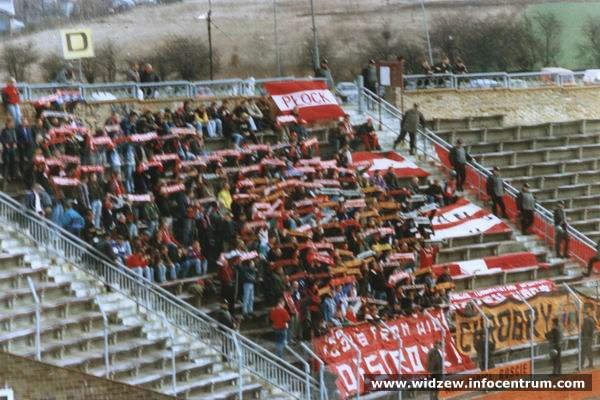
{"x": 200, "y": 267}
{"x": 237, "y": 139}
{"x": 173, "y": 271}
{"x": 161, "y": 273}
{"x": 152, "y": 226}
{"x": 280, "y": 339}
{"x": 248, "y": 304}
{"x": 146, "y": 272}
{"x": 97, "y": 212}
{"x": 15, "y": 111}
{"x": 218, "y": 126}
{"x": 129, "y": 169}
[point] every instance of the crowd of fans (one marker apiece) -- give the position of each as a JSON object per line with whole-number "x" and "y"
{"x": 326, "y": 243}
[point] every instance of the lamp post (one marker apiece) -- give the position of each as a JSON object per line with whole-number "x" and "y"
{"x": 315, "y": 41}
{"x": 277, "y": 56}
{"x": 210, "y": 50}
{"x": 426, "y": 26}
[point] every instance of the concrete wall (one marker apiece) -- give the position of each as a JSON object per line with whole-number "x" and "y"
{"x": 519, "y": 106}
{"x": 34, "y": 380}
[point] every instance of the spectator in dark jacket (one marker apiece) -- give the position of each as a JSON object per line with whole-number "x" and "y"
{"x": 495, "y": 189}
{"x": 554, "y": 336}
{"x": 247, "y": 276}
{"x": 561, "y": 230}
{"x": 410, "y": 124}
{"x": 459, "y": 159}
{"x": 8, "y": 137}
{"x": 526, "y": 206}
{"x": 588, "y": 331}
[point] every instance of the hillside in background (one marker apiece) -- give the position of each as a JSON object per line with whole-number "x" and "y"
{"x": 243, "y": 30}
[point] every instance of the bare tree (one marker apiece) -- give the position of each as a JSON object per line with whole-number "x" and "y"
{"x": 550, "y": 28}
{"x": 17, "y": 59}
{"x": 108, "y": 57}
{"x": 182, "y": 57}
{"x": 589, "y": 49}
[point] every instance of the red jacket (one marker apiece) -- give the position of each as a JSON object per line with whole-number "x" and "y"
{"x": 10, "y": 94}
{"x": 136, "y": 260}
{"x": 279, "y": 318}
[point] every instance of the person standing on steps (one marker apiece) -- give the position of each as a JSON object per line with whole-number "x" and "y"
{"x": 593, "y": 260}
{"x": 526, "y": 206}
{"x": 561, "y": 233}
{"x": 410, "y": 124}
{"x": 459, "y": 159}
{"x": 554, "y": 336}
{"x": 434, "y": 366}
{"x": 588, "y": 329}
{"x": 495, "y": 189}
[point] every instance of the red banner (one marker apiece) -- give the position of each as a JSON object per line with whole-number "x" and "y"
{"x": 313, "y": 100}
{"x": 380, "y": 350}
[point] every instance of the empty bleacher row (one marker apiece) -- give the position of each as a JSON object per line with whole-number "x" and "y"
{"x": 72, "y": 330}
{"x": 559, "y": 161}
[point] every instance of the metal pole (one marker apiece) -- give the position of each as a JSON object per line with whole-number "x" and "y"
{"x": 399, "y": 339}
{"x": 322, "y": 391}
{"x": 379, "y": 105}
{"x": 173, "y": 370}
{"x": 38, "y": 345}
{"x": 210, "y": 47}
{"x": 277, "y": 56}
{"x": 579, "y": 317}
{"x": 80, "y": 71}
{"x": 486, "y": 322}
{"x": 315, "y": 41}
{"x": 360, "y": 98}
{"x": 306, "y": 370}
{"x": 426, "y": 26}
{"x": 105, "y": 332}
{"x": 443, "y": 349}
{"x": 358, "y": 362}
{"x": 238, "y": 350}
{"x": 532, "y": 320}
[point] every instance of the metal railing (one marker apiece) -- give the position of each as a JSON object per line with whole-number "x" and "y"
{"x": 390, "y": 117}
{"x": 159, "y": 90}
{"x": 251, "y": 357}
{"x": 491, "y": 80}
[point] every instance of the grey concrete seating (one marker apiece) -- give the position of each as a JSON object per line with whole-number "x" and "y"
{"x": 210, "y": 383}
{"x": 478, "y": 250}
{"x": 533, "y": 144}
{"x": 525, "y": 157}
{"x": 550, "y": 167}
{"x": 185, "y": 370}
{"x": 474, "y": 122}
{"x": 552, "y": 181}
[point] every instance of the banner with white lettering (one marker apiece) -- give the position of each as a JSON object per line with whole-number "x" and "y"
{"x": 312, "y": 99}
{"x": 381, "y": 352}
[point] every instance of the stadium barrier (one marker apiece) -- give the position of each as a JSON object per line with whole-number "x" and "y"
{"x": 159, "y": 90}
{"x": 237, "y": 349}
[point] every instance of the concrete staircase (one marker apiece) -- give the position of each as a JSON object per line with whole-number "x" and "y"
{"x": 72, "y": 329}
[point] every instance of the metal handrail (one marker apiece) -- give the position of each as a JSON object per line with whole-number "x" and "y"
{"x": 427, "y": 135}
{"x": 180, "y": 88}
{"x": 257, "y": 360}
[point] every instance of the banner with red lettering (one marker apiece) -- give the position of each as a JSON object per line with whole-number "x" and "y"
{"x": 376, "y": 162}
{"x": 381, "y": 352}
{"x": 312, "y": 99}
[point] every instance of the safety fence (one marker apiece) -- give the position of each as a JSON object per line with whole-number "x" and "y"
{"x": 493, "y": 80}
{"x": 158, "y": 90}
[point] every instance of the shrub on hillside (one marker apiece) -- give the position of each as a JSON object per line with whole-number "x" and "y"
{"x": 182, "y": 57}
{"x": 16, "y": 60}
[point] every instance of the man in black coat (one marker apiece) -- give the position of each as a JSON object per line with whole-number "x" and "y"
{"x": 435, "y": 365}
{"x": 588, "y": 330}
{"x": 459, "y": 159}
{"x": 526, "y": 206}
{"x": 554, "y": 336}
{"x": 561, "y": 233}
{"x": 480, "y": 349}
{"x": 495, "y": 189}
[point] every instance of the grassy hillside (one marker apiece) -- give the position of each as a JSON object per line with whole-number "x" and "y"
{"x": 573, "y": 15}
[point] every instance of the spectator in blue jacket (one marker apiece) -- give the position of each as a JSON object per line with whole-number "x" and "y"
{"x": 71, "y": 220}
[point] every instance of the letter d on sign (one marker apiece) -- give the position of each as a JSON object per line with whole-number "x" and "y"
{"x": 77, "y": 43}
